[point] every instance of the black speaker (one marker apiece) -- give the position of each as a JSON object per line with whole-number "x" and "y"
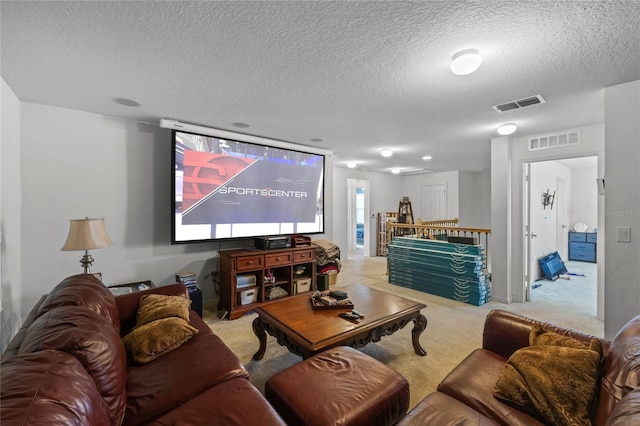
{"x": 322, "y": 282}
{"x": 196, "y": 300}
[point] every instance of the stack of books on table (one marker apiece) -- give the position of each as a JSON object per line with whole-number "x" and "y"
{"x": 187, "y": 278}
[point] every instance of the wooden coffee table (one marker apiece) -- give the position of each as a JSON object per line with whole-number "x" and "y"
{"x": 306, "y": 331}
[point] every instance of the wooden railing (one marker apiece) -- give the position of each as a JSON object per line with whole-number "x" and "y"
{"x": 446, "y": 230}
{"x": 420, "y": 229}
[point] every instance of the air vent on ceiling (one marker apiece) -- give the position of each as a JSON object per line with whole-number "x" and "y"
{"x": 415, "y": 171}
{"x": 520, "y": 103}
{"x": 555, "y": 140}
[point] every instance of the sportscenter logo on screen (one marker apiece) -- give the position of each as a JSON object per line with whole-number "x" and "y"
{"x": 264, "y": 192}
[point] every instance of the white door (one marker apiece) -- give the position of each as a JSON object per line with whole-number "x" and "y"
{"x": 561, "y": 225}
{"x": 527, "y": 229}
{"x": 433, "y": 204}
{"x": 353, "y": 186}
{"x": 351, "y": 215}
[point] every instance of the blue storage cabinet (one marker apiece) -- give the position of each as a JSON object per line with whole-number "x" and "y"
{"x": 583, "y": 246}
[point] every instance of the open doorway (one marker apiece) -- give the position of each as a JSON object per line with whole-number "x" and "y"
{"x": 561, "y": 207}
{"x": 358, "y": 218}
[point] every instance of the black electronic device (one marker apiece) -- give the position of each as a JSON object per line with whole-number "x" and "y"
{"x": 350, "y": 317}
{"x": 195, "y": 294}
{"x": 354, "y": 312}
{"x": 271, "y": 243}
{"x": 339, "y": 295}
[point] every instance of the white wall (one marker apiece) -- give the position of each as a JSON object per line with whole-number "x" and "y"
{"x": 465, "y": 198}
{"x": 474, "y": 203}
{"x": 501, "y": 255}
{"x": 584, "y": 197}
{"x": 412, "y": 188}
{"x": 480, "y": 216}
{"x": 468, "y": 195}
{"x": 622, "y": 204}
{"x": 10, "y": 217}
{"x": 77, "y": 164}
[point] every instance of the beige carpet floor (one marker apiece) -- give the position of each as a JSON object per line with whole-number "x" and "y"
{"x": 454, "y": 329}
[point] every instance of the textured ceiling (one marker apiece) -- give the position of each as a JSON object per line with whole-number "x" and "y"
{"x": 360, "y": 75}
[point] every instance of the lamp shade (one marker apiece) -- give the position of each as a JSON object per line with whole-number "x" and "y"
{"x": 86, "y": 234}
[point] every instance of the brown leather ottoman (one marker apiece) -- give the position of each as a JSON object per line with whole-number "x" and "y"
{"x": 340, "y": 386}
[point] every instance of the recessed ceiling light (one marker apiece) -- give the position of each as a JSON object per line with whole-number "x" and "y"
{"x": 507, "y": 128}
{"x": 386, "y": 152}
{"x": 395, "y": 171}
{"x": 465, "y": 62}
{"x": 317, "y": 140}
{"x": 427, "y": 157}
{"x": 351, "y": 164}
{"x": 126, "y": 102}
{"x": 240, "y": 125}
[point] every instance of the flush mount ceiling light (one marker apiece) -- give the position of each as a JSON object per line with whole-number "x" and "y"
{"x": 351, "y": 164}
{"x": 395, "y": 171}
{"x": 507, "y": 128}
{"x": 465, "y": 62}
{"x": 427, "y": 157}
{"x": 386, "y": 152}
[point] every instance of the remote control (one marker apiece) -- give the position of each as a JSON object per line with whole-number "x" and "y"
{"x": 354, "y": 312}
{"x": 349, "y": 317}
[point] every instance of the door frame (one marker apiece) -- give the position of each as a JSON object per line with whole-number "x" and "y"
{"x": 525, "y": 237}
{"x": 526, "y": 246}
{"x": 352, "y": 187}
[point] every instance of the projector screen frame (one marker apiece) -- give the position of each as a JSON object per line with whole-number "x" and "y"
{"x": 241, "y": 138}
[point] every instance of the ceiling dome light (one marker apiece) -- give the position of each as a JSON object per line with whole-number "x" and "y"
{"x": 427, "y": 157}
{"x": 386, "y": 152}
{"x": 395, "y": 171}
{"x": 507, "y": 128}
{"x": 465, "y": 62}
{"x": 351, "y": 164}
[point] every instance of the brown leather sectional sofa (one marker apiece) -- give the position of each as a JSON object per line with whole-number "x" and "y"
{"x": 67, "y": 365}
{"x": 465, "y": 396}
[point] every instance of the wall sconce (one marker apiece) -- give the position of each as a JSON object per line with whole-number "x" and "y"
{"x": 86, "y": 234}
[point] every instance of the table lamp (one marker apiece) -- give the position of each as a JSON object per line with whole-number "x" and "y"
{"x": 86, "y": 234}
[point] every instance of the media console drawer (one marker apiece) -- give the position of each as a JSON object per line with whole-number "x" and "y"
{"x": 277, "y": 259}
{"x": 301, "y": 256}
{"x": 247, "y": 263}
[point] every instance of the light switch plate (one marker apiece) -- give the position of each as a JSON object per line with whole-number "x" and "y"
{"x": 623, "y": 235}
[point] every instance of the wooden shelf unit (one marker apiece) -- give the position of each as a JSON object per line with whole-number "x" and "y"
{"x": 282, "y": 263}
{"x": 383, "y": 219}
